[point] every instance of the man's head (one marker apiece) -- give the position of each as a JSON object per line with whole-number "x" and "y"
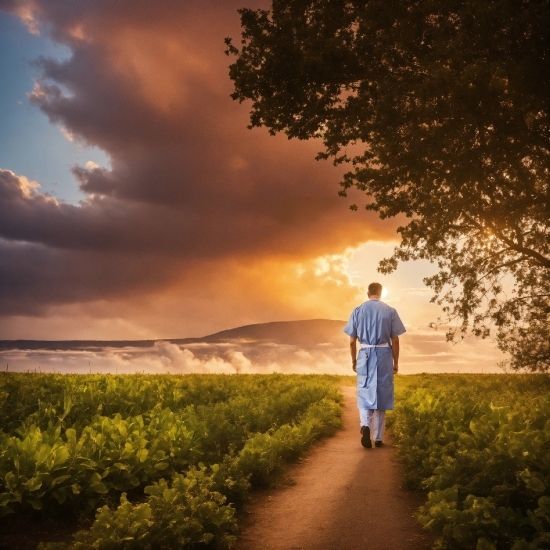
{"x": 375, "y": 290}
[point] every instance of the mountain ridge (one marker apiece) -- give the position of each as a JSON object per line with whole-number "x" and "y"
{"x": 279, "y": 332}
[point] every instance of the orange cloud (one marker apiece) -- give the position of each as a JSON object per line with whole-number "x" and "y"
{"x": 200, "y": 223}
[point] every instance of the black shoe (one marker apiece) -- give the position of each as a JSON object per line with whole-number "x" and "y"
{"x": 378, "y": 443}
{"x": 365, "y": 437}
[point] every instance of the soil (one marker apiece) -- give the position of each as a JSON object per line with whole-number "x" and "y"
{"x": 345, "y": 497}
{"x": 26, "y": 533}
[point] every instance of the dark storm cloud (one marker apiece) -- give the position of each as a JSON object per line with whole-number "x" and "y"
{"x": 147, "y": 82}
{"x": 34, "y": 276}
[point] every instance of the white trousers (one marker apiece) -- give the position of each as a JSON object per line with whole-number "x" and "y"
{"x": 366, "y": 416}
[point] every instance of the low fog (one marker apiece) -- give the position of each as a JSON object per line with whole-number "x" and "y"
{"x": 300, "y": 347}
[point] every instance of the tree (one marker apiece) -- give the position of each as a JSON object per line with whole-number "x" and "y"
{"x": 447, "y": 103}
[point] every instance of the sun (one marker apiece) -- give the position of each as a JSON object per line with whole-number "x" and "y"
{"x": 385, "y": 292}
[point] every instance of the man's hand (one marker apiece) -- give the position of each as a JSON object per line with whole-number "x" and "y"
{"x": 353, "y": 351}
{"x": 395, "y": 353}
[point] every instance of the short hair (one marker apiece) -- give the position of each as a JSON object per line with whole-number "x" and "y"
{"x": 375, "y": 289}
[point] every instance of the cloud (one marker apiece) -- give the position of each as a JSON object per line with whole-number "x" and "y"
{"x": 200, "y": 298}
{"x": 421, "y": 351}
{"x": 426, "y": 350}
{"x": 194, "y": 209}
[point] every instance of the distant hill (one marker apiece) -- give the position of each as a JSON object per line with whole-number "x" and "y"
{"x": 312, "y": 331}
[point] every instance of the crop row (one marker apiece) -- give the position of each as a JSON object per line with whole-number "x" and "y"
{"x": 481, "y": 446}
{"x": 75, "y": 399}
{"x": 199, "y": 459}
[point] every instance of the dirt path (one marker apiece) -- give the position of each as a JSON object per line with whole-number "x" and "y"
{"x": 345, "y": 498}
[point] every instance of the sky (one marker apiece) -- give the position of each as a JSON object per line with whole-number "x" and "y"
{"x": 134, "y": 201}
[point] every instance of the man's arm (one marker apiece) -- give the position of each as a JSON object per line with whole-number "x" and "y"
{"x": 353, "y": 351}
{"x": 395, "y": 353}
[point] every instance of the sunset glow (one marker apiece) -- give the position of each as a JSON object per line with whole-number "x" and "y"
{"x": 154, "y": 212}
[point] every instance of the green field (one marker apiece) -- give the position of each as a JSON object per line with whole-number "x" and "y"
{"x": 166, "y": 461}
{"x": 480, "y": 446}
{"x": 160, "y": 461}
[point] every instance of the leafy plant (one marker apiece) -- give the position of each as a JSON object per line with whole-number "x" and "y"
{"x": 214, "y": 436}
{"x": 481, "y": 446}
{"x": 186, "y": 513}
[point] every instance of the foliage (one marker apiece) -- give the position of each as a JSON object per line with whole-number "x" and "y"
{"x": 224, "y": 434}
{"x": 481, "y": 446}
{"x": 74, "y": 399}
{"x": 262, "y": 453}
{"x": 187, "y": 513}
{"x": 110, "y": 455}
{"x": 441, "y": 109}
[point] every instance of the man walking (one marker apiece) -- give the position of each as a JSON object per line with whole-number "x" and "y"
{"x": 377, "y": 326}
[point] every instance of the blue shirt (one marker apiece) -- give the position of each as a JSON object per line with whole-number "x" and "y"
{"x": 374, "y": 322}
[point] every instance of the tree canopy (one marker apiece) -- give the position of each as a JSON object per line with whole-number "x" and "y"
{"x": 447, "y": 103}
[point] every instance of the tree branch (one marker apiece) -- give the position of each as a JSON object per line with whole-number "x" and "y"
{"x": 543, "y": 260}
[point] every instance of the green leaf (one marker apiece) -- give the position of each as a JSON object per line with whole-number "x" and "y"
{"x": 143, "y": 454}
{"x": 544, "y": 504}
{"x": 60, "y": 494}
{"x": 134, "y": 481}
{"x": 10, "y": 479}
{"x": 61, "y": 456}
{"x": 59, "y": 480}
{"x": 536, "y": 485}
{"x": 100, "y": 488}
{"x": 33, "y": 484}
{"x": 36, "y": 504}
{"x": 95, "y": 478}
